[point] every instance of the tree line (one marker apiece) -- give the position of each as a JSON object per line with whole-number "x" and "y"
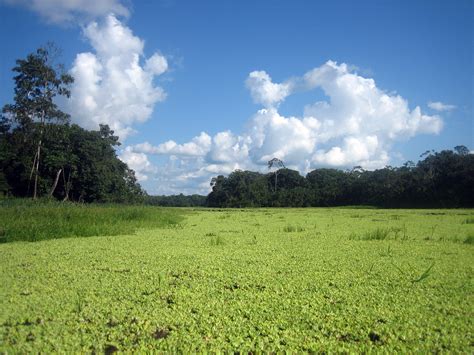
{"x": 440, "y": 179}
{"x": 42, "y": 154}
{"x": 180, "y": 200}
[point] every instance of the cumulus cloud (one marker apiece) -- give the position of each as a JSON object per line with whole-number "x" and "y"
{"x": 358, "y": 107}
{"x": 290, "y": 139}
{"x": 186, "y": 176}
{"x": 191, "y": 165}
{"x": 227, "y": 148}
{"x": 66, "y": 11}
{"x": 138, "y": 162}
{"x": 264, "y": 91}
{"x": 156, "y": 64}
{"x": 362, "y": 151}
{"x": 111, "y": 85}
{"x": 439, "y": 106}
{"x": 198, "y": 146}
{"x": 356, "y": 125}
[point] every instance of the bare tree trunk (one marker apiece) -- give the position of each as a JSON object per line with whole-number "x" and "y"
{"x": 55, "y": 183}
{"x": 32, "y": 170}
{"x": 38, "y": 154}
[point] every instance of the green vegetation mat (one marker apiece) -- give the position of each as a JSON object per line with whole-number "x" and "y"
{"x": 355, "y": 280}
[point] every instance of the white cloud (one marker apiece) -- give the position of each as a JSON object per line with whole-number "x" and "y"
{"x": 66, "y": 11}
{"x": 363, "y": 151}
{"x": 357, "y": 125}
{"x": 156, "y": 64}
{"x": 264, "y": 91}
{"x": 290, "y": 139}
{"x": 111, "y": 86}
{"x": 228, "y": 148}
{"x": 138, "y": 162}
{"x": 439, "y": 106}
{"x": 198, "y": 146}
{"x": 177, "y": 175}
{"x": 358, "y": 107}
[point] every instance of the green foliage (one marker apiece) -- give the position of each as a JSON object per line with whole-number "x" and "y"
{"x": 42, "y": 155}
{"x": 181, "y": 290}
{"x": 26, "y": 220}
{"x": 37, "y": 83}
{"x": 85, "y": 163}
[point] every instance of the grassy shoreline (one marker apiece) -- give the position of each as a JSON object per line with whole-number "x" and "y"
{"x": 28, "y": 220}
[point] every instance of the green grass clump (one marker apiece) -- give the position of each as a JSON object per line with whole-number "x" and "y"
{"x": 376, "y": 234}
{"x": 27, "y": 220}
{"x": 469, "y": 239}
{"x": 217, "y": 240}
{"x": 468, "y": 221}
{"x": 291, "y": 229}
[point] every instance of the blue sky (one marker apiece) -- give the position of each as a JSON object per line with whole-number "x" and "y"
{"x": 200, "y": 88}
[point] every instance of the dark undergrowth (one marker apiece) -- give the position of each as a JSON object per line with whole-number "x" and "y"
{"x": 28, "y": 220}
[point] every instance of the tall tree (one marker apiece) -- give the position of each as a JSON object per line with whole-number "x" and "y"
{"x": 38, "y": 82}
{"x": 278, "y": 164}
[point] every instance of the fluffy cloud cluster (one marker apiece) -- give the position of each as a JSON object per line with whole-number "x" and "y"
{"x": 112, "y": 86}
{"x": 138, "y": 162}
{"x": 66, "y": 11}
{"x": 197, "y": 147}
{"x": 357, "y": 125}
{"x": 266, "y": 92}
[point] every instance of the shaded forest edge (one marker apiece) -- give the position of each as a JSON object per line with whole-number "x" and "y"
{"x": 440, "y": 180}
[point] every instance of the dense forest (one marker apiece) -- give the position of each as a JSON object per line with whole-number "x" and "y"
{"x": 42, "y": 154}
{"x": 441, "y": 179}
